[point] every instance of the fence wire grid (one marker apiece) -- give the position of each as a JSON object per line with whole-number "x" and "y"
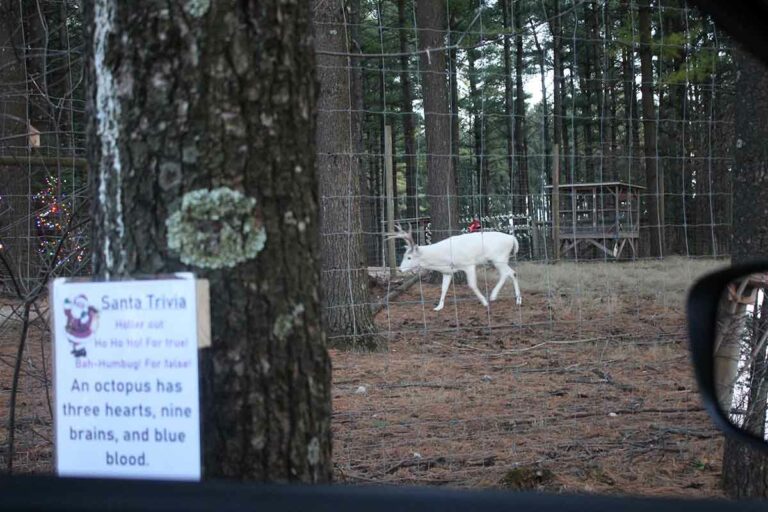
{"x": 624, "y": 107}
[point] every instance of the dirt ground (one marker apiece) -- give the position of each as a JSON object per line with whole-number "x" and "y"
{"x": 586, "y": 387}
{"x": 33, "y": 433}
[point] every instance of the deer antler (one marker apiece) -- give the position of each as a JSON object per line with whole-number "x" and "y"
{"x": 404, "y": 235}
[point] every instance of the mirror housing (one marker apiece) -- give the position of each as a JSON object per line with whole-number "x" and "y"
{"x": 725, "y": 363}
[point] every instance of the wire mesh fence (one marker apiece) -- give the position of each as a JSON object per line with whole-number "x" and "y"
{"x": 43, "y": 209}
{"x": 624, "y": 108}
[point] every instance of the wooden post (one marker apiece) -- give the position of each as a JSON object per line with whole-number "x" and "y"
{"x": 535, "y": 219}
{"x": 574, "y": 220}
{"x": 617, "y": 199}
{"x": 595, "y": 212}
{"x": 556, "y": 203}
{"x": 636, "y": 197}
{"x": 390, "y": 190}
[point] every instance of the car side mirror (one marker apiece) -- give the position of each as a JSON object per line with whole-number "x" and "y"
{"x": 728, "y": 329}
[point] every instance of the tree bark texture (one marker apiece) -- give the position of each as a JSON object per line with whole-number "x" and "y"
{"x": 409, "y": 132}
{"x": 369, "y": 187}
{"x": 441, "y": 185}
{"x": 558, "y": 82}
{"x": 598, "y": 89}
{"x": 521, "y": 190}
{"x": 582, "y": 51}
{"x": 509, "y": 112}
{"x": 631, "y": 114}
{"x": 481, "y": 171}
{"x": 653, "y": 197}
{"x": 745, "y": 470}
{"x": 348, "y": 318}
{"x": 544, "y": 106}
{"x": 186, "y": 96}
{"x": 672, "y": 114}
{"x": 609, "y": 63}
{"x": 453, "y": 63}
{"x": 367, "y": 202}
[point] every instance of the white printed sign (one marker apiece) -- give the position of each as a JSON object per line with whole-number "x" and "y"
{"x": 126, "y": 378}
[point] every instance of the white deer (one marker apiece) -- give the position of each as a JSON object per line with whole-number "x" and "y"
{"x": 463, "y": 252}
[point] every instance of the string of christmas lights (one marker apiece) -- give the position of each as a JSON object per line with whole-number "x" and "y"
{"x": 53, "y": 213}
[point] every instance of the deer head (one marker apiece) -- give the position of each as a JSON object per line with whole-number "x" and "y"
{"x": 411, "y": 257}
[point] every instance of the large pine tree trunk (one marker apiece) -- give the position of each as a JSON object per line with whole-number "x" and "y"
{"x": 480, "y": 125}
{"x": 722, "y": 133}
{"x": 565, "y": 120}
{"x": 627, "y": 89}
{"x": 377, "y": 179}
{"x": 576, "y": 169}
{"x": 608, "y": 107}
{"x": 508, "y": 96}
{"x": 409, "y": 136}
{"x": 382, "y": 122}
{"x": 671, "y": 127}
{"x": 745, "y": 470}
{"x": 191, "y": 96}
{"x": 544, "y": 106}
{"x": 348, "y": 318}
{"x": 586, "y": 84}
{"x": 371, "y": 234}
{"x": 631, "y": 115}
{"x": 701, "y": 218}
{"x": 521, "y": 190}
{"x": 598, "y": 90}
{"x": 610, "y": 81}
{"x": 479, "y": 200}
{"x": 558, "y": 82}
{"x": 441, "y": 184}
{"x": 455, "y": 127}
{"x": 653, "y": 197}
{"x": 453, "y": 79}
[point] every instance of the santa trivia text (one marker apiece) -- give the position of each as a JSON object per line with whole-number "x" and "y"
{"x": 148, "y": 302}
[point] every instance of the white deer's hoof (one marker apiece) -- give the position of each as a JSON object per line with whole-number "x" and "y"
{"x": 519, "y": 301}
{"x": 438, "y": 307}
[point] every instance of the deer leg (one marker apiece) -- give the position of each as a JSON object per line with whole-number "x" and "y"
{"x": 472, "y": 283}
{"x": 446, "y": 283}
{"x": 518, "y": 297}
{"x": 506, "y": 271}
{"x": 503, "y": 270}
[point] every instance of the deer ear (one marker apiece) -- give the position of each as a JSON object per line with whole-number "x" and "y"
{"x": 416, "y": 249}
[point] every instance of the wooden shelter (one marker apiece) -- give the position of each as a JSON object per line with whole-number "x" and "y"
{"x": 605, "y": 215}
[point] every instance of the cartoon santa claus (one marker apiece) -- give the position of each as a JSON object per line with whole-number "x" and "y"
{"x": 82, "y": 320}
